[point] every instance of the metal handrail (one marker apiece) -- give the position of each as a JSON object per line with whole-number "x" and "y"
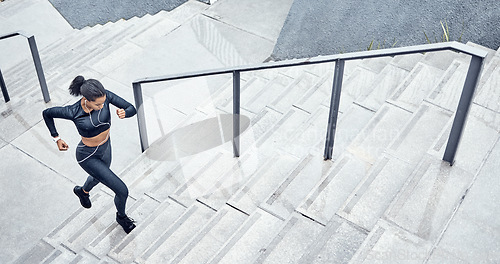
{"x": 36, "y": 60}
{"x": 470, "y": 84}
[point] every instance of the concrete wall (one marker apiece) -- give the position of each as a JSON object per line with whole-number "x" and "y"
{"x": 323, "y": 27}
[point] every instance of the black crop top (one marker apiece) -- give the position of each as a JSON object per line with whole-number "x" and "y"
{"x": 101, "y": 119}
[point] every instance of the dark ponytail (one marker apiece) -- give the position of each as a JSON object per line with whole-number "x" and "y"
{"x": 74, "y": 87}
{"x": 91, "y": 89}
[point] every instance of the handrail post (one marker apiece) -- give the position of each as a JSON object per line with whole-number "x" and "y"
{"x": 471, "y": 82}
{"x": 236, "y": 113}
{"x": 39, "y": 69}
{"x": 334, "y": 108}
{"x": 4, "y": 88}
{"x": 141, "y": 117}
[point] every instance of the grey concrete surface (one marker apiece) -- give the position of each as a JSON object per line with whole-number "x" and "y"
{"x": 34, "y": 199}
{"x": 366, "y": 205}
{"x": 24, "y": 139}
{"x": 27, "y": 18}
{"x": 90, "y": 13}
{"x": 327, "y": 27}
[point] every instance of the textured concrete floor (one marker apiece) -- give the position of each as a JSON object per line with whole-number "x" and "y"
{"x": 89, "y": 13}
{"x": 328, "y": 27}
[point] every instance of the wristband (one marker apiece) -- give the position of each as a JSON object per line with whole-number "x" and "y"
{"x": 56, "y": 139}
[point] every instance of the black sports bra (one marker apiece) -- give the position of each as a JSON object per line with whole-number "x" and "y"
{"x": 88, "y": 124}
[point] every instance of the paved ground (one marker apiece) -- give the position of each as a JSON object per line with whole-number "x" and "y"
{"x": 328, "y": 27}
{"x": 43, "y": 176}
{"x": 89, "y": 13}
{"x": 40, "y": 196}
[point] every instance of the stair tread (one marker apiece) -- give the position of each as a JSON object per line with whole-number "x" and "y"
{"x": 425, "y": 125}
{"x": 110, "y": 237}
{"x": 133, "y": 246}
{"x": 402, "y": 244}
{"x": 178, "y": 234}
{"x": 431, "y": 182}
{"x": 337, "y": 244}
{"x": 249, "y": 242}
{"x": 416, "y": 87}
{"x": 448, "y": 90}
{"x": 368, "y": 202}
{"x": 203, "y": 246}
{"x": 287, "y": 197}
{"x": 292, "y": 242}
{"x": 388, "y": 80}
{"x": 330, "y": 193}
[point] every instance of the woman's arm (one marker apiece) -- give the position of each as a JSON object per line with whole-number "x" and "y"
{"x": 125, "y": 109}
{"x": 48, "y": 116}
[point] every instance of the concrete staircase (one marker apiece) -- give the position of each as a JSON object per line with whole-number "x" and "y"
{"x": 386, "y": 188}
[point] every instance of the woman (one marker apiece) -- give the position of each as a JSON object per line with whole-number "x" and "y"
{"x": 92, "y": 117}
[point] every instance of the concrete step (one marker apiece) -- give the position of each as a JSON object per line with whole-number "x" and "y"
{"x": 388, "y": 80}
{"x": 211, "y": 238}
{"x": 268, "y": 94}
{"x": 338, "y": 243}
{"x": 379, "y": 132}
{"x": 330, "y": 193}
{"x": 349, "y": 125}
{"x": 186, "y": 11}
{"x": 416, "y": 87}
{"x": 375, "y": 65}
{"x": 487, "y": 94}
{"x": 39, "y": 252}
{"x": 95, "y": 234}
{"x": 51, "y": 244}
{"x": 292, "y": 241}
{"x": 448, "y": 90}
{"x": 284, "y": 101}
{"x": 286, "y": 197}
{"x": 249, "y": 241}
{"x": 318, "y": 94}
{"x": 177, "y": 235}
{"x": 407, "y": 62}
{"x": 85, "y": 257}
{"x": 110, "y": 237}
{"x": 387, "y": 242}
{"x": 133, "y": 246}
{"x": 419, "y": 132}
{"x": 356, "y": 86}
{"x": 442, "y": 59}
{"x": 427, "y": 201}
{"x": 262, "y": 183}
{"x": 249, "y": 163}
{"x": 374, "y": 194}
{"x": 200, "y": 183}
{"x": 60, "y": 255}
{"x": 310, "y": 137}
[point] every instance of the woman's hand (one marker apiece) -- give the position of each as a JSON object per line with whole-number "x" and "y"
{"x": 120, "y": 113}
{"x": 62, "y": 145}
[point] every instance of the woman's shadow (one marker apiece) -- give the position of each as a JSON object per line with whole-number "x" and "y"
{"x": 196, "y": 138}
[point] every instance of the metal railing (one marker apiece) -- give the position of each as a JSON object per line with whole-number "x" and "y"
{"x": 471, "y": 81}
{"x": 36, "y": 61}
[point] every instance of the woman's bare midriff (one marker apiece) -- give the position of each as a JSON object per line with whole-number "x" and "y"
{"x": 97, "y": 140}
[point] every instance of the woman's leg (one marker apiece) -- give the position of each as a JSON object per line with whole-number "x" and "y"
{"x": 91, "y": 181}
{"x": 100, "y": 171}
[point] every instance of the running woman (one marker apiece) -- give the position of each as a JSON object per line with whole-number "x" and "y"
{"x": 92, "y": 118}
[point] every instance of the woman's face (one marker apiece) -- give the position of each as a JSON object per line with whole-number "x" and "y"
{"x": 97, "y": 104}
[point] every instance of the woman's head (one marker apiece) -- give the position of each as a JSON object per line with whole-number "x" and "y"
{"x": 91, "y": 89}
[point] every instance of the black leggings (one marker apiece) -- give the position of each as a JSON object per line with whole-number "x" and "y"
{"x": 96, "y": 161}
